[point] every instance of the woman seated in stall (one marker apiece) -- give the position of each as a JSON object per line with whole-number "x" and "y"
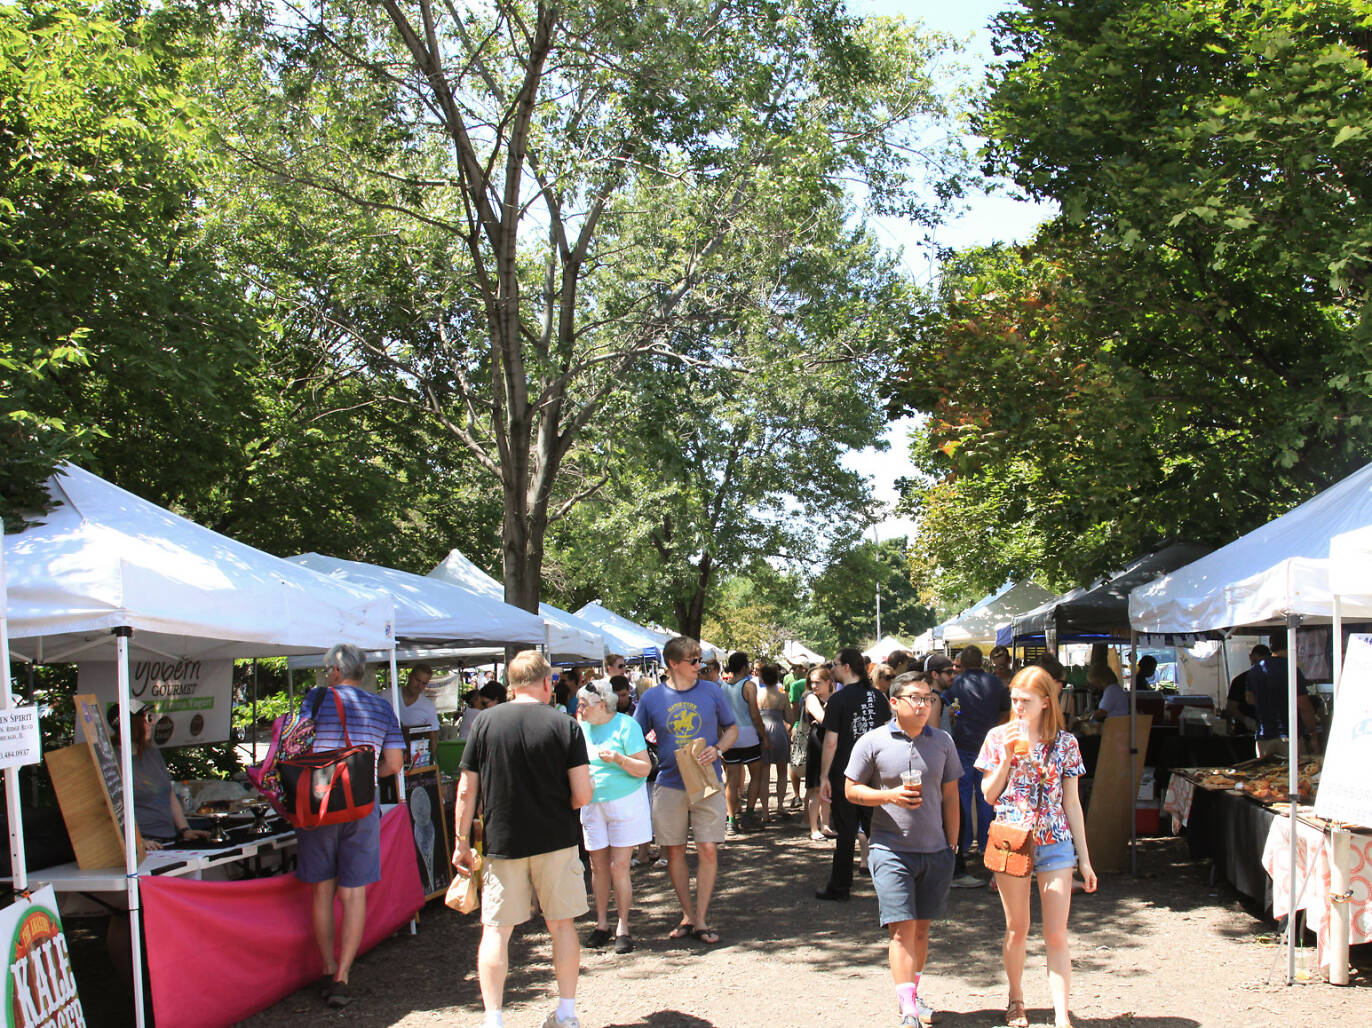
{"x": 156, "y": 809}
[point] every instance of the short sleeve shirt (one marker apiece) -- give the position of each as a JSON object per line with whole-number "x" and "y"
{"x": 1267, "y": 681}
{"x": 976, "y": 700}
{"x": 419, "y": 714}
{"x": 622, "y": 735}
{"x": 1115, "y": 701}
{"x": 1033, "y": 791}
{"x": 700, "y": 712}
{"x": 850, "y": 714}
{"x": 371, "y": 720}
{"x": 521, "y": 753}
{"x": 878, "y": 759}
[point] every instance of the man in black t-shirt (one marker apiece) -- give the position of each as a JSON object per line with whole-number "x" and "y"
{"x": 853, "y": 711}
{"x": 526, "y": 764}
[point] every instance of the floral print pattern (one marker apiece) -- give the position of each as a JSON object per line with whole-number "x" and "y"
{"x": 1034, "y": 787}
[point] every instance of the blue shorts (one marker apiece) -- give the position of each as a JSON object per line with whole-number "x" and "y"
{"x": 1055, "y": 856}
{"x": 910, "y": 886}
{"x": 349, "y": 852}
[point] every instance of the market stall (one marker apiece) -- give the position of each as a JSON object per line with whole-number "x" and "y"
{"x": 108, "y": 577}
{"x": 566, "y": 636}
{"x": 1279, "y": 575}
{"x": 978, "y": 624}
{"x": 628, "y": 639}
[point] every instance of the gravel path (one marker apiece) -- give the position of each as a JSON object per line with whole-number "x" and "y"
{"x": 1163, "y": 950}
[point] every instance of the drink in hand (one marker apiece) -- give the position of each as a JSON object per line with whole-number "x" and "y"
{"x": 1022, "y": 741}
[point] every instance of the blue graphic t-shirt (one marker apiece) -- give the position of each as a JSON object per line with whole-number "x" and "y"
{"x": 678, "y": 717}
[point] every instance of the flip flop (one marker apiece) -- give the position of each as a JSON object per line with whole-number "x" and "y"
{"x": 1015, "y": 1016}
{"x": 706, "y": 935}
{"x": 682, "y": 930}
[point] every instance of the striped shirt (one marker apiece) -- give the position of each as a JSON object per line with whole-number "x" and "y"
{"x": 371, "y": 720}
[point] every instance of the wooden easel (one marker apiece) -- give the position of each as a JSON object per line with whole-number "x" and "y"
{"x": 1111, "y": 812}
{"x": 90, "y": 792}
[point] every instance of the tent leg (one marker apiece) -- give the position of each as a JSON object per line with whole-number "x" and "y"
{"x": 1293, "y": 732}
{"x": 1337, "y": 629}
{"x": 16, "y": 819}
{"x": 121, "y": 646}
{"x": 1133, "y": 751}
{"x": 395, "y": 702}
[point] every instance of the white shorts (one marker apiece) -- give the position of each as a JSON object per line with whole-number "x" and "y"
{"x": 626, "y": 821}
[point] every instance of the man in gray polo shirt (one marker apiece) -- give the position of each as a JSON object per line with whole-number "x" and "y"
{"x": 914, "y": 829}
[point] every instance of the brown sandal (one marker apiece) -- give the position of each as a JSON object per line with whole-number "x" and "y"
{"x": 1015, "y": 1016}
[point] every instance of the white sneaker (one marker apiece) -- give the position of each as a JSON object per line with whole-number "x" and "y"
{"x": 967, "y": 880}
{"x": 924, "y": 1011}
{"x": 551, "y": 1021}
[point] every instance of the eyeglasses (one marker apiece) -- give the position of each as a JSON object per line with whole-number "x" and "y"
{"x": 920, "y": 699}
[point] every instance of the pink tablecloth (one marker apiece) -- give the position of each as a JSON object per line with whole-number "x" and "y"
{"x": 1180, "y": 792}
{"x": 220, "y": 951}
{"x": 1314, "y": 854}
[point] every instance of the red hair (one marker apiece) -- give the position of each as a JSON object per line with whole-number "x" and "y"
{"x": 1036, "y": 679}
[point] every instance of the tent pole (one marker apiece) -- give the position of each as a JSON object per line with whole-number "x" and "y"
{"x": 18, "y": 867}
{"x": 1133, "y": 750}
{"x": 1337, "y": 629}
{"x": 121, "y": 664}
{"x": 395, "y": 702}
{"x": 1293, "y": 735}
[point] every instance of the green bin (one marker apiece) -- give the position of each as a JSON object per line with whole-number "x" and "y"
{"x": 450, "y": 754}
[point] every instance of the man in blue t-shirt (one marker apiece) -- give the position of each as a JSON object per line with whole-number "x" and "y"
{"x": 683, "y": 708}
{"x": 1267, "y": 686}
{"x": 344, "y": 859}
{"x": 978, "y": 701}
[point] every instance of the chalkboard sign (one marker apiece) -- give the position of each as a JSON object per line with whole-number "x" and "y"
{"x": 98, "y": 739}
{"x": 429, "y": 822}
{"x": 90, "y": 792}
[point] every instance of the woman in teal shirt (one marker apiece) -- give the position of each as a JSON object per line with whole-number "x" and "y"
{"x": 618, "y": 818}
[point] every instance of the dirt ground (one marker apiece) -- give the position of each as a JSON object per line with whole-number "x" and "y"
{"x": 1163, "y": 950}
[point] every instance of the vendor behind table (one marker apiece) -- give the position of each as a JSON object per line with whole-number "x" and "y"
{"x": 161, "y": 820}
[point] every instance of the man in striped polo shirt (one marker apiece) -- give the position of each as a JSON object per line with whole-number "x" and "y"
{"x": 344, "y": 859}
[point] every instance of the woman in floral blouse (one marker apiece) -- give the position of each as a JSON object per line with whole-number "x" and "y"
{"x": 1029, "y": 773}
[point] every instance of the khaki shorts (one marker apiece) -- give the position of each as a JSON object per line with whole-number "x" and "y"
{"x": 508, "y": 887}
{"x": 672, "y": 812}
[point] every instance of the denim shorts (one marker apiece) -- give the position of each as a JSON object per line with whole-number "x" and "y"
{"x": 1055, "y": 856}
{"x": 350, "y": 852}
{"x": 911, "y": 886}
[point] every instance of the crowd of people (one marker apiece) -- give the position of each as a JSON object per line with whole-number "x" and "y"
{"x": 906, "y": 764}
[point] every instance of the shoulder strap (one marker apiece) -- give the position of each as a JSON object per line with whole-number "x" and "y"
{"x": 338, "y": 706}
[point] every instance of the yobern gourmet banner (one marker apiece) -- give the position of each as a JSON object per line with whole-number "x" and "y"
{"x": 40, "y": 989}
{"x": 192, "y": 698}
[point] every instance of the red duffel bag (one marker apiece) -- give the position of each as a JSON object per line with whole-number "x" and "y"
{"x": 330, "y": 787}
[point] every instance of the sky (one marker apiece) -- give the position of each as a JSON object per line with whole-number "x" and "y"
{"x": 986, "y": 219}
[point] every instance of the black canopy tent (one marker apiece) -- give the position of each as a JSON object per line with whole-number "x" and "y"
{"x": 1100, "y": 613}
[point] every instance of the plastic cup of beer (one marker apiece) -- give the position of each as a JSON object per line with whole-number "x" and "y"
{"x": 911, "y": 779}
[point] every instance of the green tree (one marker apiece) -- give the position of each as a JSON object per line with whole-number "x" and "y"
{"x": 119, "y": 338}
{"x": 738, "y": 448}
{"x": 507, "y": 172}
{"x": 845, "y": 594}
{"x": 1181, "y": 352}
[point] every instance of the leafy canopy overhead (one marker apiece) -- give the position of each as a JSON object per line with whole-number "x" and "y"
{"x": 1183, "y": 351}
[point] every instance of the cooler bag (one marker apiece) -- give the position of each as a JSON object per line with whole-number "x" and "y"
{"x": 331, "y": 787}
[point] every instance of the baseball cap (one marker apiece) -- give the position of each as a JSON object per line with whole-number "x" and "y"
{"x": 936, "y": 662}
{"x": 598, "y": 691}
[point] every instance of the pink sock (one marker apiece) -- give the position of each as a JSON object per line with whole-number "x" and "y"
{"x": 905, "y": 995}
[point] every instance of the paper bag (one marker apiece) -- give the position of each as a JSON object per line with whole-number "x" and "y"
{"x": 701, "y": 782}
{"x": 464, "y": 891}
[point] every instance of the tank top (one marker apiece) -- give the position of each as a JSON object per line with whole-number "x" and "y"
{"x": 747, "y": 732}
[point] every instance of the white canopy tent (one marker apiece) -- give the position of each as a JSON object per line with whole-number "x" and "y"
{"x": 623, "y": 636}
{"x": 978, "y": 623}
{"x": 108, "y": 571}
{"x": 883, "y": 648}
{"x": 1279, "y": 574}
{"x": 567, "y": 636}
{"x": 798, "y": 653}
{"x": 431, "y": 609}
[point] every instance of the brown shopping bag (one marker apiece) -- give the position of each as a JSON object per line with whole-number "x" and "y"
{"x": 464, "y": 891}
{"x": 701, "y": 782}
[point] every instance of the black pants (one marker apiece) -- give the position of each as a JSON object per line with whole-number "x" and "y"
{"x": 845, "y": 819}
